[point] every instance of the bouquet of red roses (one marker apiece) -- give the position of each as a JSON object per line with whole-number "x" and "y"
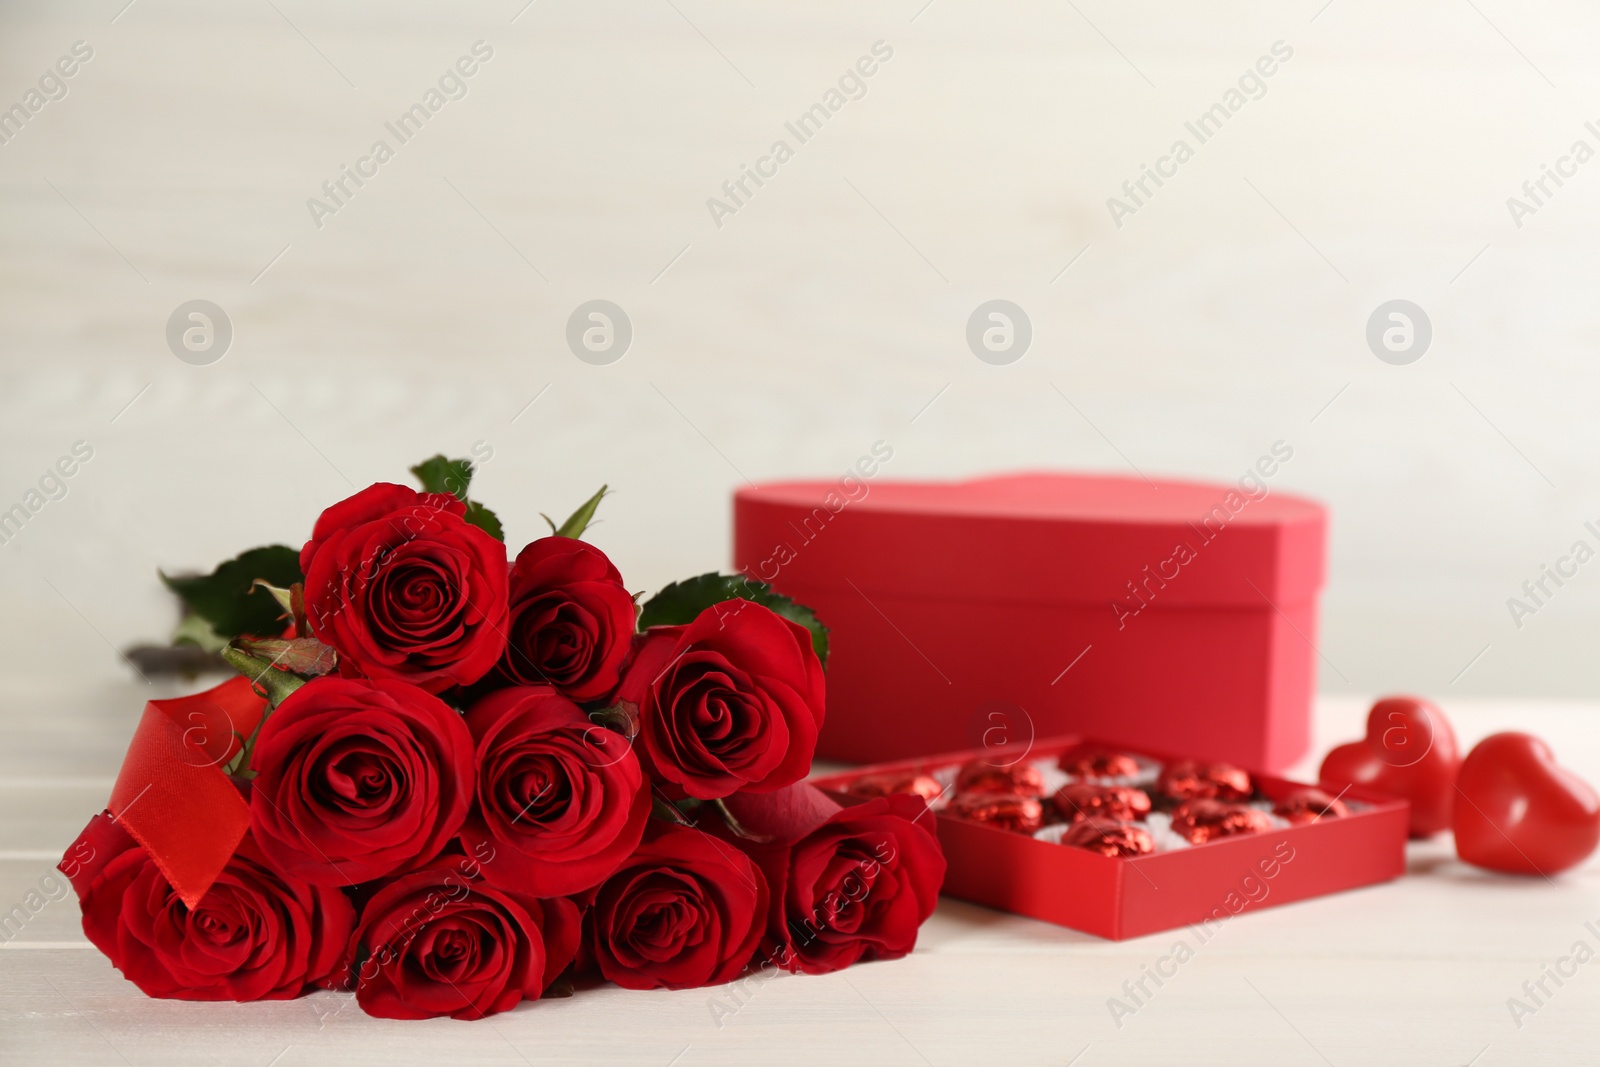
{"x": 447, "y": 781}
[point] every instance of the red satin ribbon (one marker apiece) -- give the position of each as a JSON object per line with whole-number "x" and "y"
{"x": 172, "y": 795}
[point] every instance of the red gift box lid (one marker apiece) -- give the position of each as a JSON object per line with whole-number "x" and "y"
{"x": 1037, "y": 537}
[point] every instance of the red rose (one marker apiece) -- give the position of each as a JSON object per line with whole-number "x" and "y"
{"x": 685, "y": 910}
{"x": 359, "y": 778}
{"x": 404, "y": 587}
{"x": 850, "y": 885}
{"x": 731, "y": 701}
{"x": 571, "y": 619}
{"x": 560, "y": 801}
{"x": 255, "y": 935}
{"x": 439, "y": 942}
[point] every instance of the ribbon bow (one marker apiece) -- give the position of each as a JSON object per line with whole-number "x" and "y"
{"x": 172, "y": 795}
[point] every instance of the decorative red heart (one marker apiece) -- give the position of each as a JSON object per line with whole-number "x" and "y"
{"x": 1517, "y": 811}
{"x": 1409, "y": 752}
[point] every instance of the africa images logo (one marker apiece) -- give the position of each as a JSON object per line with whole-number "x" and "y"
{"x": 1204, "y": 127}
{"x": 452, "y": 85}
{"x": 852, "y": 85}
{"x": 52, "y": 86}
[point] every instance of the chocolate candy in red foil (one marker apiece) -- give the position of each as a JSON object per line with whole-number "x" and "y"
{"x": 883, "y": 785}
{"x": 1008, "y": 811}
{"x": 1091, "y": 800}
{"x": 1309, "y": 805}
{"x": 1194, "y": 780}
{"x": 1110, "y": 837}
{"x": 1199, "y": 821}
{"x": 981, "y": 776}
{"x": 1099, "y": 764}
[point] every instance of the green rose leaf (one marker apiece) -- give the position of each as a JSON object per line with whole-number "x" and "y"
{"x": 453, "y": 476}
{"x": 274, "y": 684}
{"x": 579, "y": 520}
{"x": 297, "y": 655}
{"x": 194, "y": 630}
{"x": 440, "y": 475}
{"x": 227, "y": 599}
{"x": 485, "y": 520}
{"x": 681, "y": 602}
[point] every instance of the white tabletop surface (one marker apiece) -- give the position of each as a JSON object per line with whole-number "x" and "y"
{"x": 1412, "y": 972}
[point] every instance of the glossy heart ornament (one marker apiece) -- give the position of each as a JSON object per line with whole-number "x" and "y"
{"x": 1409, "y": 752}
{"x": 1517, "y": 811}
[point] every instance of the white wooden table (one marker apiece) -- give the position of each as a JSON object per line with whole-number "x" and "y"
{"x": 1413, "y": 972}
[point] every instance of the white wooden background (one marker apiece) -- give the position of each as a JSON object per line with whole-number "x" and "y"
{"x": 1227, "y": 314}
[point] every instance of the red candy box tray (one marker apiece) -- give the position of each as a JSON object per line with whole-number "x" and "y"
{"x": 1179, "y": 883}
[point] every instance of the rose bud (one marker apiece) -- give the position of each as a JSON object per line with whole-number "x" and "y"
{"x": 854, "y": 888}
{"x": 731, "y": 701}
{"x": 571, "y": 619}
{"x": 1194, "y": 780}
{"x": 1199, "y": 821}
{"x": 1099, "y": 764}
{"x": 255, "y": 935}
{"x": 356, "y": 779}
{"x": 403, "y": 587}
{"x": 1008, "y": 811}
{"x": 438, "y": 942}
{"x": 1081, "y": 800}
{"x": 561, "y": 802}
{"x": 1110, "y": 837}
{"x": 685, "y": 910}
{"x": 1309, "y": 805}
{"x": 887, "y": 785}
{"x": 981, "y": 776}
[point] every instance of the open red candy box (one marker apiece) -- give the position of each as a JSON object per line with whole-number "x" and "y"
{"x": 1179, "y": 884}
